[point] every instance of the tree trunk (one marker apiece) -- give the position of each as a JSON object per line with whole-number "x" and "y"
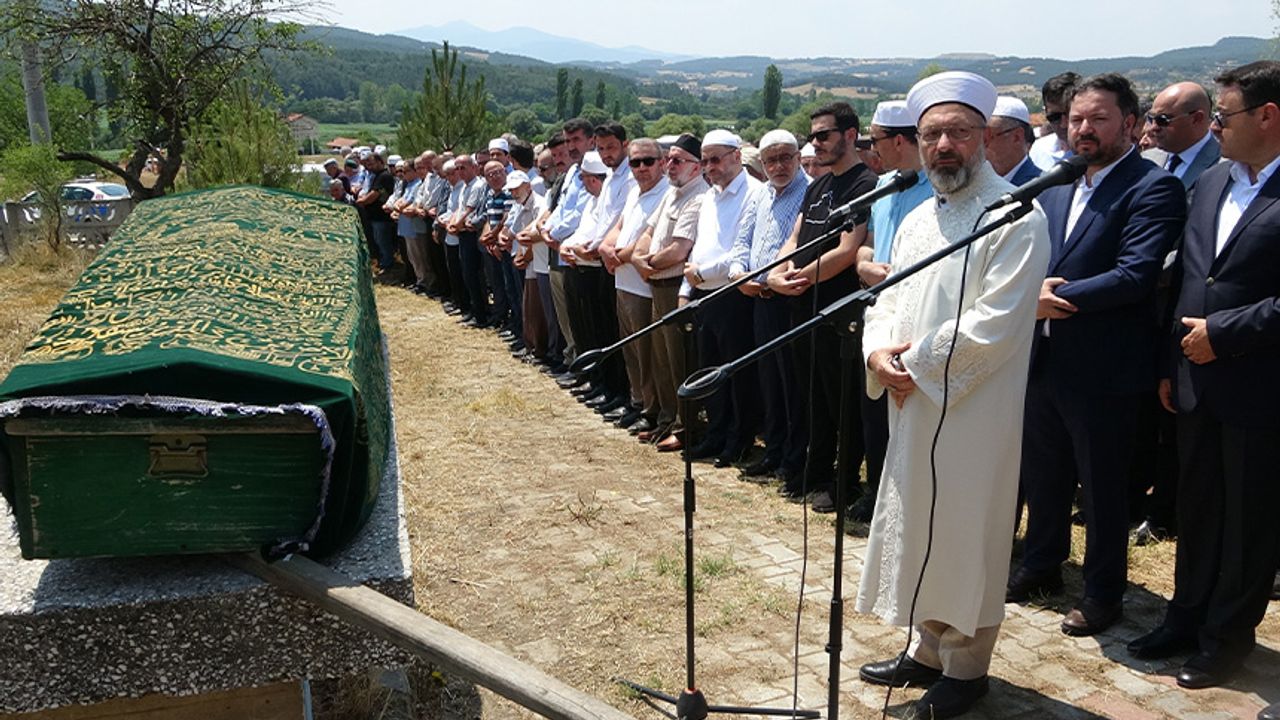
{"x": 33, "y": 85}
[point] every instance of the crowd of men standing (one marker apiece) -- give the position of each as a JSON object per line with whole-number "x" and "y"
{"x": 1150, "y": 394}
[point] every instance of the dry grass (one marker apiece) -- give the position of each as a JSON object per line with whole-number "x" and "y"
{"x": 31, "y": 283}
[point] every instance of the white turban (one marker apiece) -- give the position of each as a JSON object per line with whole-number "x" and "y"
{"x": 952, "y": 87}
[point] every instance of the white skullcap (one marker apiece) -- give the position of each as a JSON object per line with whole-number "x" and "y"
{"x": 955, "y": 86}
{"x": 394, "y": 160}
{"x": 448, "y": 166}
{"x": 779, "y": 137}
{"x": 365, "y": 154}
{"x": 515, "y": 179}
{"x": 751, "y": 159}
{"x": 893, "y": 114}
{"x": 808, "y": 151}
{"x": 380, "y": 150}
{"x": 593, "y": 165}
{"x": 499, "y": 144}
{"x": 1012, "y": 107}
{"x": 330, "y": 161}
{"x": 721, "y": 137}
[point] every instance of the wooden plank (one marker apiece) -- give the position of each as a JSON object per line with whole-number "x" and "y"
{"x": 437, "y": 643}
{"x": 76, "y": 426}
{"x": 280, "y": 701}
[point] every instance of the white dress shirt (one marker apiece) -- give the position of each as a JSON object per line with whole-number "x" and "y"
{"x": 1187, "y": 156}
{"x": 718, "y": 220}
{"x": 1240, "y": 193}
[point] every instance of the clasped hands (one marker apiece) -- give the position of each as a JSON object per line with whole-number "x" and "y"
{"x": 886, "y": 363}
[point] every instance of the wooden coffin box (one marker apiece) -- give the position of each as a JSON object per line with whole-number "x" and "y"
{"x": 214, "y": 382}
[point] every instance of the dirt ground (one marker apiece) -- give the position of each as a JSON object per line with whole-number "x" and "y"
{"x": 558, "y": 539}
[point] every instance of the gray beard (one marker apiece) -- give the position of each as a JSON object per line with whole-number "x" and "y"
{"x": 946, "y": 180}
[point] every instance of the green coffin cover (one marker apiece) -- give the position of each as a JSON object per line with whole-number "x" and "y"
{"x": 238, "y": 296}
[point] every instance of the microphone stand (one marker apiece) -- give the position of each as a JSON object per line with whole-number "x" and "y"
{"x": 691, "y": 704}
{"x": 845, "y": 316}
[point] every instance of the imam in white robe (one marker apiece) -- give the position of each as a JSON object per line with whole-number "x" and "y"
{"x": 979, "y": 451}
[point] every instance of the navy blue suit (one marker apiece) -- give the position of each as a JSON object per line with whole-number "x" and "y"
{"x": 1087, "y": 376}
{"x": 1027, "y": 172}
{"x": 1228, "y": 419}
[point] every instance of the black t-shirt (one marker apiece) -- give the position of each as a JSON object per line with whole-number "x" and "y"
{"x": 824, "y": 195}
{"x": 385, "y": 184}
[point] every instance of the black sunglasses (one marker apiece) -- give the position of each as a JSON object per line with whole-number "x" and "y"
{"x": 1163, "y": 119}
{"x": 645, "y": 161}
{"x": 1054, "y": 117}
{"x": 822, "y": 135}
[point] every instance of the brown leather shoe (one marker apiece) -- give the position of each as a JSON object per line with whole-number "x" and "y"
{"x": 1091, "y": 617}
{"x": 670, "y": 444}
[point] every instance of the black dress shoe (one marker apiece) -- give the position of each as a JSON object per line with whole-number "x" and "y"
{"x": 570, "y": 382}
{"x": 610, "y": 404}
{"x": 704, "y": 451}
{"x": 950, "y": 697}
{"x": 626, "y": 421}
{"x": 585, "y": 390}
{"x": 1270, "y": 712}
{"x": 1091, "y": 617}
{"x": 729, "y": 457}
{"x": 644, "y": 424}
{"x": 822, "y": 501}
{"x": 616, "y": 413}
{"x": 1275, "y": 588}
{"x": 1203, "y": 671}
{"x": 759, "y": 468}
{"x": 1162, "y": 643}
{"x": 600, "y": 400}
{"x": 899, "y": 671}
{"x": 1025, "y": 583}
{"x": 863, "y": 509}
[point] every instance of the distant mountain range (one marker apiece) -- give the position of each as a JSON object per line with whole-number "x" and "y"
{"x": 535, "y": 44}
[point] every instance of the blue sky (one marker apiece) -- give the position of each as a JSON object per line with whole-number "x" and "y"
{"x": 1069, "y": 30}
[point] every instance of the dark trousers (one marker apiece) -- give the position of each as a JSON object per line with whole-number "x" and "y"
{"x": 513, "y": 288}
{"x": 1154, "y": 468}
{"x": 457, "y": 287}
{"x": 437, "y": 262}
{"x": 495, "y": 278}
{"x": 473, "y": 275}
{"x": 555, "y": 341}
{"x": 593, "y": 317}
{"x": 1071, "y": 437}
{"x": 1228, "y": 538}
{"x": 733, "y": 412}
{"x": 384, "y": 242}
{"x": 875, "y": 431}
{"x": 784, "y": 430}
{"x": 822, "y": 404}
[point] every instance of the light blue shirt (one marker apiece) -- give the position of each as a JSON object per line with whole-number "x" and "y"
{"x": 766, "y": 224}
{"x": 887, "y": 213}
{"x": 573, "y": 198}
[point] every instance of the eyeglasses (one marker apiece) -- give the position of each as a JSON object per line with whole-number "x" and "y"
{"x": 715, "y": 159}
{"x": 957, "y": 134}
{"x": 673, "y": 160}
{"x": 1005, "y": 131}
{"x": 1163, "y": 119}
{"x": 822, "y": 135}
{"x": 1054, "y": 117}
{"x": 1220, "y": 118}
{"x": 780, "y": 159}
{"x": 545, "y": 168}
{"x": 636, "y": 162}
{"x": 877, "y": 140}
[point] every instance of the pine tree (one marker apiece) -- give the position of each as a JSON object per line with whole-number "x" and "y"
{"x": 577, "y": 99}
{"x": 600, "y": 95}
{"x": 450, "y": 112}
{"x": 772, "y": 91}
{"x": 562, "y": 94}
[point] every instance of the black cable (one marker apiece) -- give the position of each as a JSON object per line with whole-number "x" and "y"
{"x": 933, "y": 467}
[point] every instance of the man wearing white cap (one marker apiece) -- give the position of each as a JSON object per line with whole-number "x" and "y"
{"x": 500, "y": 150}
{"x": 893, "y": 137}
{"x": 1011, "y": 138}
{"x": 974, "y": 366}
{"x": 525, "y": 207}
{"x": 767, "y": 222}
{"x": 809, "y": 162}
{"x": 814, "y": 279}
{"x": 724, "y": 330}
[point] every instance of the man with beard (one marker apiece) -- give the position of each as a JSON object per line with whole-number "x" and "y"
{"x": 814, "y": 280}
{"x": 659, "y": 256}
{"x": 1094, "y": 353}
{"x": 973, "y": 368}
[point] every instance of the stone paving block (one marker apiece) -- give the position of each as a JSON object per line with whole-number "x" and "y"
{"x": 1117, "y": 708}
{"x": 779, "y": 552}
{"x": 1131, "y": 683}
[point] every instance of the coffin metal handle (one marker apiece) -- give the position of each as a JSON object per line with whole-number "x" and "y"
{"x": 184, "y": 456}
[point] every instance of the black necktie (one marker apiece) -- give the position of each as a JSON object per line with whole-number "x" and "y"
{"x": 1174, "y": 162}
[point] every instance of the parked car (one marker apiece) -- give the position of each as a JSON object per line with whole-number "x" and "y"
{"x": 79, "y": 191}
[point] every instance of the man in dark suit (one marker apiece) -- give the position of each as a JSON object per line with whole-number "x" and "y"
{"x": 1222, "y": 383}
{"x": 1179, "y": 122}
{"x": 1094, "y": 352}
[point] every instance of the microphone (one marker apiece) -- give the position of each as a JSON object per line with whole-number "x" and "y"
{"x": 1065, "y": 172}
{"x": 904, "y": 179}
